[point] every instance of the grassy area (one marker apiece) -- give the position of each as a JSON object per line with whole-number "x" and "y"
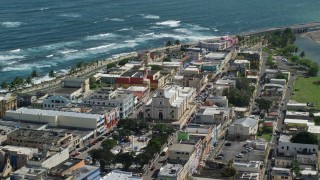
{"x": 266, "y": 136}
{"x": 306, "y": 91}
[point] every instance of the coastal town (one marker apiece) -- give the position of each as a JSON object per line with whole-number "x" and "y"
{"x": 234, "y": 107}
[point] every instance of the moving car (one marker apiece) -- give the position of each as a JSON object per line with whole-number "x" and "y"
{"x": 239, "y": 155}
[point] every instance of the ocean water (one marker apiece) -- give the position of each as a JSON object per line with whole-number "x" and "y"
{"x": 44, "y": 35}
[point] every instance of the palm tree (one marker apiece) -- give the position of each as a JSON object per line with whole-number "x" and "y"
{"x": 52, "y": 74}
{"x": 34, "y": 74}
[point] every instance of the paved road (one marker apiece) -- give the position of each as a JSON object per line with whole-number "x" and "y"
{"x": 283, "y": 106}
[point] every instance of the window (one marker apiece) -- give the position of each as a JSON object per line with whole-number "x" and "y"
{"x": 314, "y": 150}
{"x": 120, "y": 109}
{"x": 160, "y": 93}
{"x": 177, "y": 152}
{"x": 172, "y": 116}
{"x": 282, "y": 147}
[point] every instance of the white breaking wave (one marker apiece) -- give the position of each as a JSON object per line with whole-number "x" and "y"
{"x": 22, "y": 67}
{"x": 100, "y": 47}
{"x": 42, "y": 79}
{"x": 15, "y": 51}
{"x": 126, "y": 29}
{"x": 10, "y": 24}
{"x": 170, "y": 23}
{"x": 50, "y": 55}
{"x": 113, "y": 19}
{"x": 100, "y": 36}
{"x": 150, "y": 16}
{"x": 66, "y": 51}
{"x": 215, "y": 29}
{"x": 50, "y": 47}
{"x": 10, "y": 57}
{"x": 73, "y": 15}
{"x": 43, "y": 9}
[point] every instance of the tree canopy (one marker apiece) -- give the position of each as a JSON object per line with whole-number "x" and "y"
{"x": 263, "y": 104}
{"x": 305, "y": 138}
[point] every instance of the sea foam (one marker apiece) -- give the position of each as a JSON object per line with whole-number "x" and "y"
{"x": 170, "y": 23}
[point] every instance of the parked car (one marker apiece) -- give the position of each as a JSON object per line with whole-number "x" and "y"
{"x": 239, "y": 155}
{"x": 218, "y": 158}
{"x": 244, "y": 152}
{"x": 227, "y": 144}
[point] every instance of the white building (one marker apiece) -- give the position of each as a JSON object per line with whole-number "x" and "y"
{"x": 170, "y": 103}
{"x": 171, "y": 172}
{"x": 281, "y": 173}
{"x": 58, "y": 118}
{"x": 52, "y": 102}
{"x": 109, "y": 98}
{"x": 282, "y": 82}
{"x": 251, "y": 166}
{"x": 212, "y": 115}
{"x": 220, "y": 101}
{"x": 287, "y": 148}
{"x": 214, "y": 45}
{"x": 120, "y": 175}
{"x": 243, "y": 128}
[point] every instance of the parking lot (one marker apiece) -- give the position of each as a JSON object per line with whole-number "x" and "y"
{"x": 230, "y": 152}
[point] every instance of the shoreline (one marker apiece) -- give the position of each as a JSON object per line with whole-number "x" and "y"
{"x": 103, "y": 63}
{"x": 312, "y": 35}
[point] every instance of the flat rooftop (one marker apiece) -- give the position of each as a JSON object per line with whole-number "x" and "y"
{"x": 66, "y": 90}
{"x": 40, "y": 135}
{"x": 182, "y": 147}
{"x": 170, "y": 170}
{"x": 65, "y": 165}
{"x": 284, "y": 138}
{"x": 24, "y": 111}
{"x": 19, "y": 149}
{"x": 120, "y": 175}
{"x": 216, "y": 55}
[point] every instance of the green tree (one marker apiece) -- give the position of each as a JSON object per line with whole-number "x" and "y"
{"x": 177, "y": 42}
{"x": 126, "y": 159}
{"x": 29, "y": 80}
{"x": 52, "y": 73}
{"x": 302, "y": 54}
{"x": 156, "y": 67}
{"x": 289, "y": 50}
{"x": 143, "y": 158}
{"x": 111, "y": 65}
{"x": 5, "y": 85}
{"x": 35, "y": 74}
{"x": 316, "y": 120}
{"x": 80, "y": 65}
{"x": 123, "y": 62}
{"x": 304, "y": 138}
{"x": 295, "y": 166}
{"x": 93, "y": 82}
{"x": 17, "y": 82}
{"x": 167, "y": 59}
{"x": 169, "y": 43}
{"x": 313, "y": 70}
{"x": 229, "y": 170}
{"x": 109, "y": 144}
{"x": 263, "y": 104}
{"x": 294, "y": 59}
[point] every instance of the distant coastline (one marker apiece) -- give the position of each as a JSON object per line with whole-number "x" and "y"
{"x": 313, "y": 35}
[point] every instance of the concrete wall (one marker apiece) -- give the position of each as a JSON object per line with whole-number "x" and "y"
{"x": 81, "y": 122}
{"x": 290, "y": 149}
{"x": 52, "y": 161}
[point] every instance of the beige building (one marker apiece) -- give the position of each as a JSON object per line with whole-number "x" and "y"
{"x": 169, "y": 103}
{"x": 7, "y": 102}
{"x": 244, "y": 128}
{"x": 18, "y": 155}
{"x": 281, "y": 173}
{"x": 180, "y": 152}
{"x": 40, "y": 138}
